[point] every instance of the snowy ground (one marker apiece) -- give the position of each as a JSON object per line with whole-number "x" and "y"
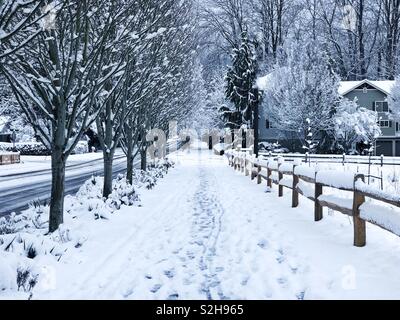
{"x": 207, "y": 232}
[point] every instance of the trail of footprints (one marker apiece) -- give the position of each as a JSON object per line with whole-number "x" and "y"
{"x": 197, "y": 256}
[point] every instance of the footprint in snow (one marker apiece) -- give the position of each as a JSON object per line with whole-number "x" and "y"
{"x": 282, "y": 281}
{"x": 127, "y": 293}
{"x": 301, "y": 295}
{"x": 169, "y": 273}
{"x": 263, "y": 244}
{"x": 156, "y": 288}
{"x": 173, "y": 296}
{"x": 245, "y": 281}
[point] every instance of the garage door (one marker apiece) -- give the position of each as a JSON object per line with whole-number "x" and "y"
{"x": 385, "y": 148}
{"x": 397, "y": 148}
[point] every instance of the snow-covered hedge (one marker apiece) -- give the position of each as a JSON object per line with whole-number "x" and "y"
{"x": 26, "y": 148}
{"x": 38, "y": 149}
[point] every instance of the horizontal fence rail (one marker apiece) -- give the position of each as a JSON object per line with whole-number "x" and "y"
{"x": 332, "y": 158}
{"x": 310, "y": 183}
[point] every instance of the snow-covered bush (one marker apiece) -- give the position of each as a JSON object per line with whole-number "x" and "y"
{"x": 38, "y": 149}
{"x": 28, "y": 148}
{"x": 272, "y": 147}
{"x": 123, "y": 193}
{"x": 302, "y": 93}
{"x": 144, "y": 179}
{"x": 81, "y": 148}
{"x": 353, "y": 124}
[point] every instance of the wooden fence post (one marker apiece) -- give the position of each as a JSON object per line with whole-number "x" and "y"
{"x": 259, "y": 178}
{"x": 246, "y": 167}
{"x": 269, "y": 180}
{"x": 280, "y": 177}
{"x": 360, "y": 236}
{"x": 253, "y": 174}
{"x": 318, "y": 209}
{"x": 295, "y": 194}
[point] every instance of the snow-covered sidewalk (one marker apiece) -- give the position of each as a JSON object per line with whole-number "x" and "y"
{"x": 207, "y": 232}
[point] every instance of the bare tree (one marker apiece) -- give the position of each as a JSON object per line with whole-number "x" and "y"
{"x": 57, "y": 78}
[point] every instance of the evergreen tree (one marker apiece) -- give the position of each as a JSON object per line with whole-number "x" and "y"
{"x": 240, "y": 86}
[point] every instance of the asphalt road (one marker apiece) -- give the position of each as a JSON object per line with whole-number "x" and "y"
{"x": 17, "y": 191}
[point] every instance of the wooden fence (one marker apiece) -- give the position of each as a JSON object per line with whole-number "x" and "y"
{"x": 275, "y": 173}
{"x": 9, "y": 158}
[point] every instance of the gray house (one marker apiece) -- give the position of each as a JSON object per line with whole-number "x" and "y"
{"x": 372, "y": 95}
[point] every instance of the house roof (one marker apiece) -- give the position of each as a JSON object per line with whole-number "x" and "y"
{"x": 262, "y": 82}
{"x": 3, "y": 123}
{"x": 345, "y": 86}
{"x": 348, "y": 86}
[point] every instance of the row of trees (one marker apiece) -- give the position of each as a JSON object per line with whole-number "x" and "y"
{"x": 304, "y": 101}
{"x": 361, "y": 37}
{"x": 308, "y": 46}
{"x": 120, "y": 67}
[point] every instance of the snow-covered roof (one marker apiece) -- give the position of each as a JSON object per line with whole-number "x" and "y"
{"x": 344, "y": 88}
{"x": 3, "y": 122}
{"x": 262, "y": 82}
{"x": 348, "y": 86}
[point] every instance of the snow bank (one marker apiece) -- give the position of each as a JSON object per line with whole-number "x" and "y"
{"x": 336, "y": 179}
{"x": 305, "y": 171}
{"x": 386, "y": 217}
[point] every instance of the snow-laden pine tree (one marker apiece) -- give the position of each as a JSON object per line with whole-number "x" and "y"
{"x": 240, "y": 85}
{"x": 354, "y": 125}
{"x": 302, "y": 94}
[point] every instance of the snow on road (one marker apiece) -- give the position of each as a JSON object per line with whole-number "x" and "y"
{"x": 207, "y": 232}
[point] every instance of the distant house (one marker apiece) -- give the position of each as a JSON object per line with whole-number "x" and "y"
{"x": 372, "y": 95}
{"x": 5, "y": 132}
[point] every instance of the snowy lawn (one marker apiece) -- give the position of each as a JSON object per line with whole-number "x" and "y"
{"x": 208, "y": 232}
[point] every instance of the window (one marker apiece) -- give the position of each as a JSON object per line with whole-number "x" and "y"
{"x": 385, "y": 124}
{"x": 268, "y": 124}
{"x": 381, "y": 106}
{"x": 397, "y": 127}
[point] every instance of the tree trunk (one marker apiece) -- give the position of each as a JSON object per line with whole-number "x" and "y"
{"x": 143, "y": 159}
{"x": 57, "y": 189}
{"x": 129, "y": 165}
{"x": 108, "y": 174}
